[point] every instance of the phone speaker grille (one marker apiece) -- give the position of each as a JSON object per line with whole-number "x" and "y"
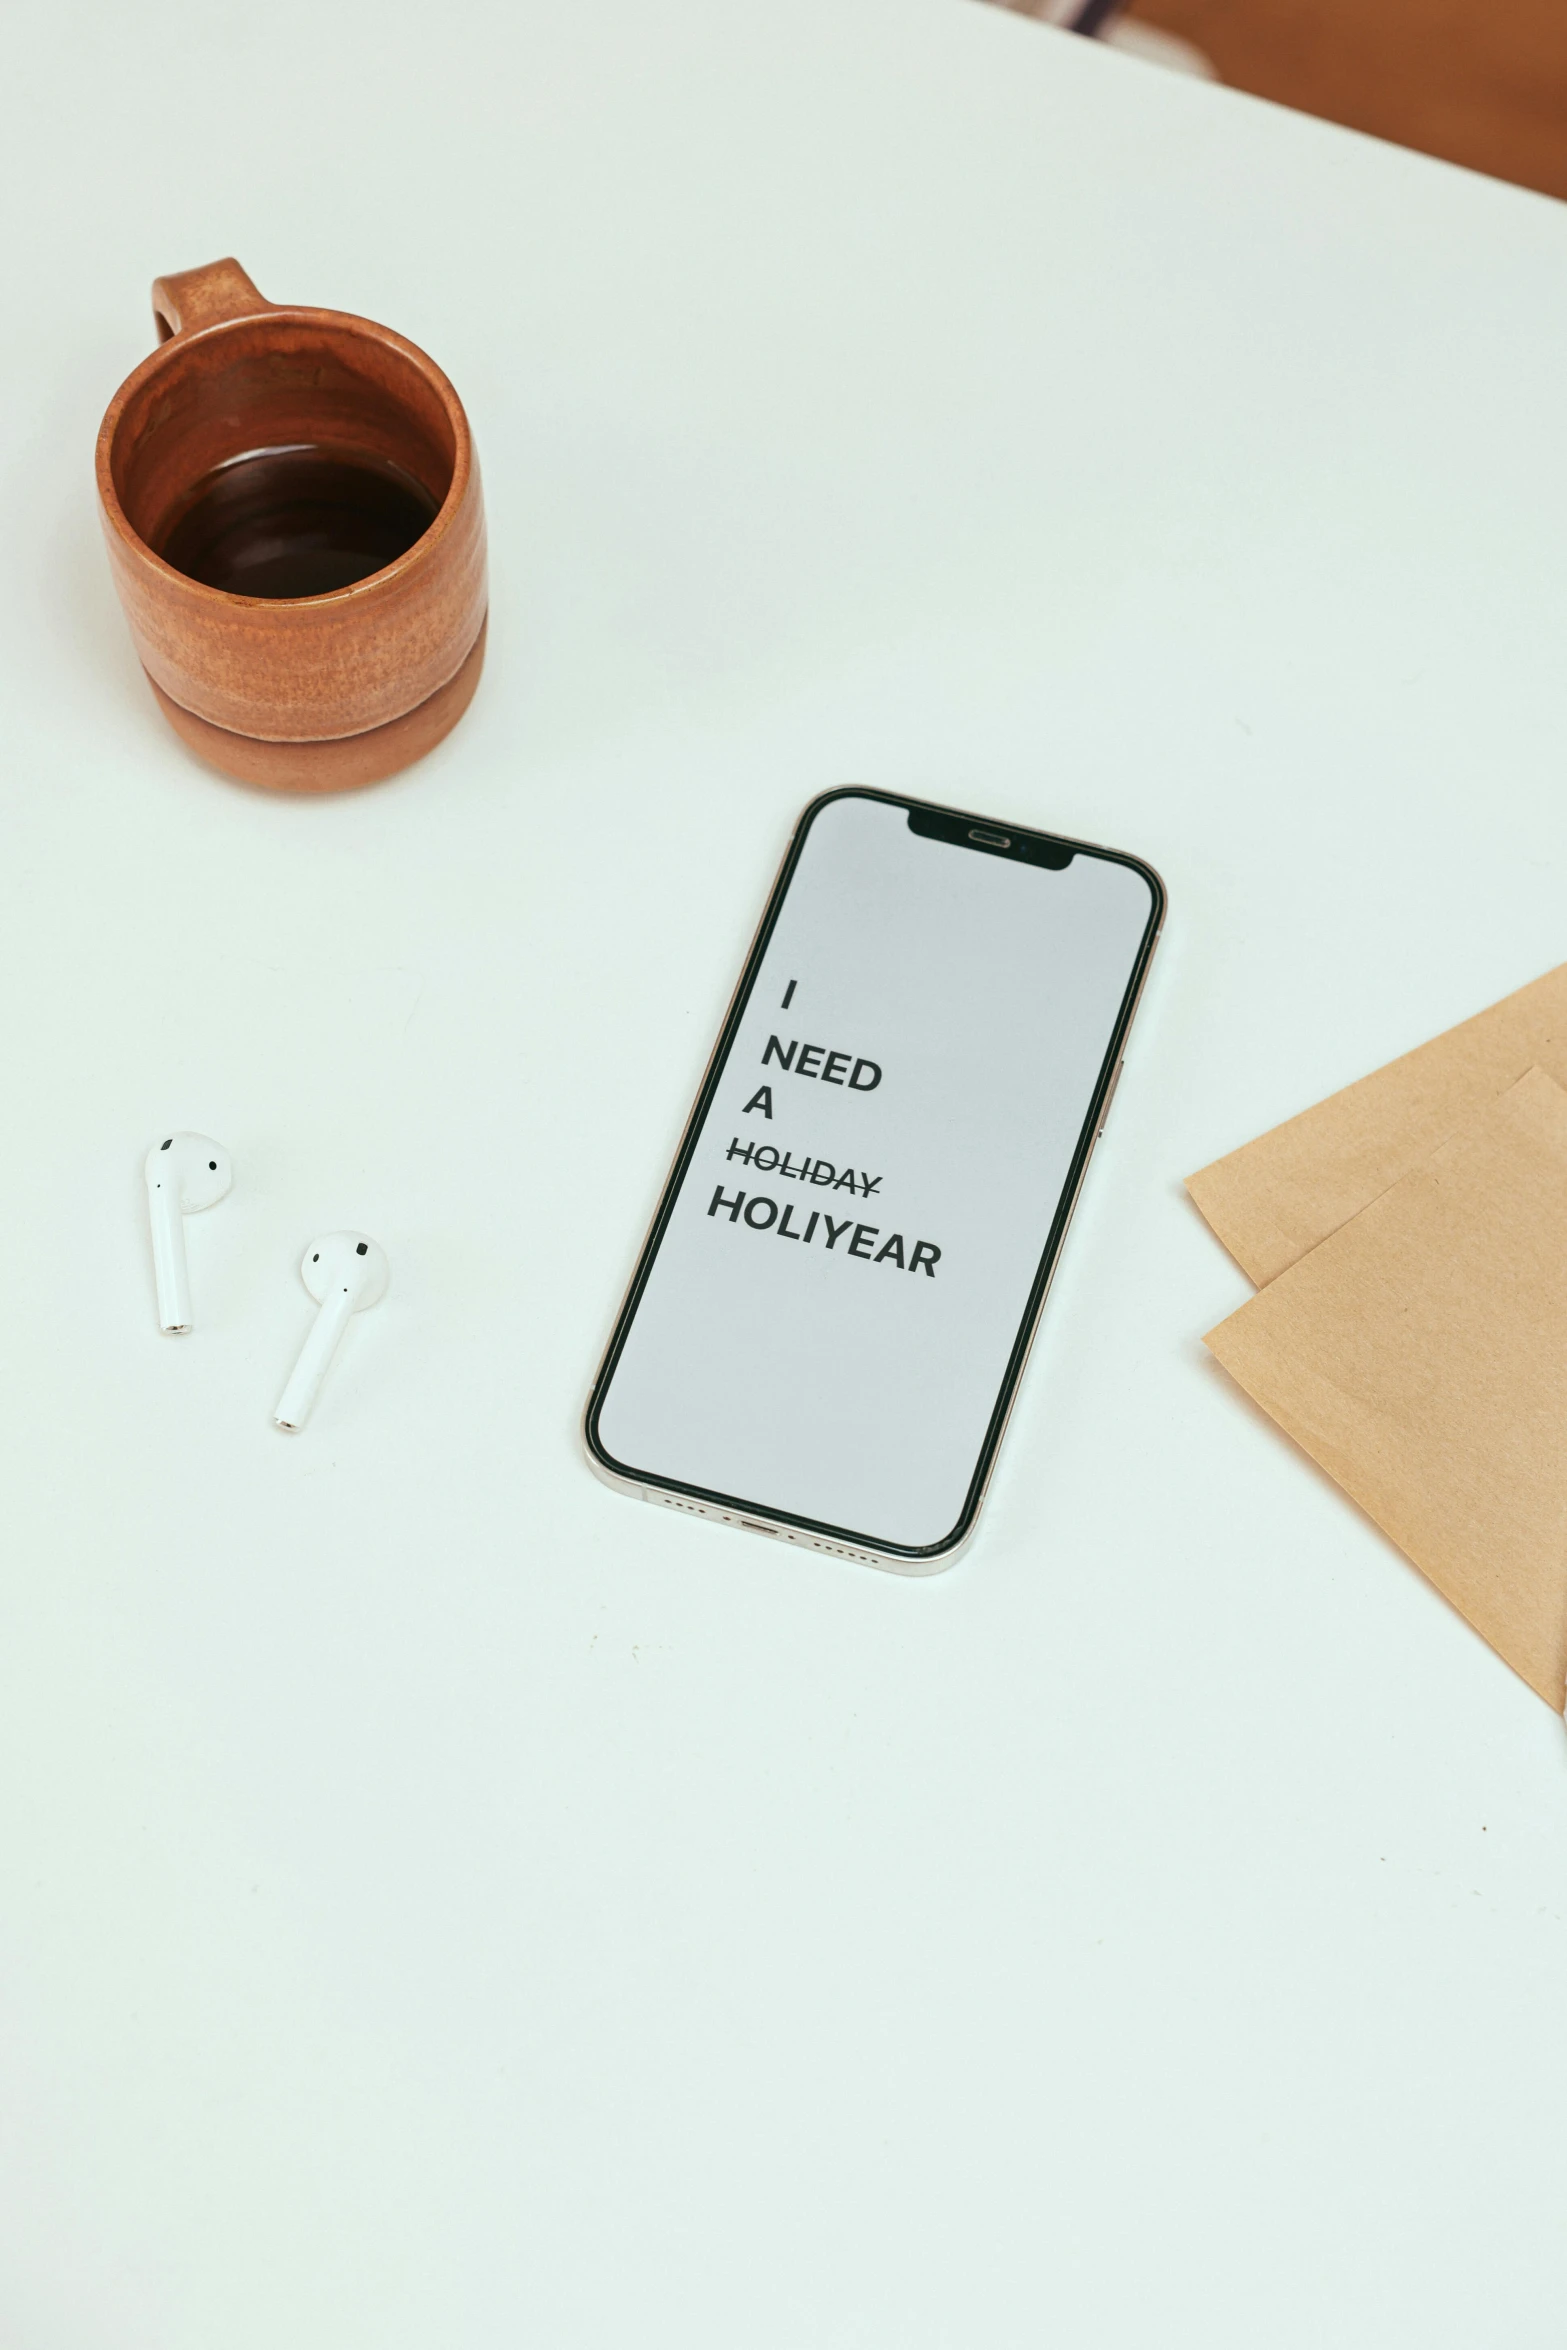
{"x": 702, "y": 1509}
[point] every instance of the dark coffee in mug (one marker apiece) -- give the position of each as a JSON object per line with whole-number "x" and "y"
{"x": 296, "y": 521}
{"x": 295, "y": 525}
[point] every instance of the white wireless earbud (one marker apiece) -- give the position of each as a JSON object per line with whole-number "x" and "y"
{"x": 184, "y": 1174}
{"x": 344, "y": 1273}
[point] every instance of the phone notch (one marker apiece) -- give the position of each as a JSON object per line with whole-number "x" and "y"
{"x": 961, "y": 832}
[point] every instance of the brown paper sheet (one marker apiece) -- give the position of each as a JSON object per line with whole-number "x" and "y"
{"x": 1420, "y": 1356}
{"x": 1277, "y": 1197}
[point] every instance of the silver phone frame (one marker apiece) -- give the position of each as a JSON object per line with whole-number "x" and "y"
{"x": 807, "y": 1534}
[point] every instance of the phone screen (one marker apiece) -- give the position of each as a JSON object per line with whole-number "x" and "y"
{"x": 840, "y": 1286}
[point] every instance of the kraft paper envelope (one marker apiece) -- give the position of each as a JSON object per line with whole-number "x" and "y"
{"x": 1420, "y": 1356}
{"x": 1276, "y": 1197}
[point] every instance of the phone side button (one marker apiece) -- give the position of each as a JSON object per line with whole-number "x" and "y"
{"x": 1109, "y": 1098}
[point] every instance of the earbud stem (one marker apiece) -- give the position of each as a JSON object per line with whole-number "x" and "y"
{"x": 294, "y": 1405}
{"x": 168, "y": 1259}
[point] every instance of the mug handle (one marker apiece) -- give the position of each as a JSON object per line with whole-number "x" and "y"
{"x": 194, "y": 298}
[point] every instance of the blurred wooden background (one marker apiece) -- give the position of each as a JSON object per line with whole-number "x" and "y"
{"x": 1481, "y": 82}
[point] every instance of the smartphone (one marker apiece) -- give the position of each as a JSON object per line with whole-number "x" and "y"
{"x": 826, "y": 1328}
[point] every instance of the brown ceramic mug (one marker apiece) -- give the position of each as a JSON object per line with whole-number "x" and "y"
{"x": 292, "y": 508}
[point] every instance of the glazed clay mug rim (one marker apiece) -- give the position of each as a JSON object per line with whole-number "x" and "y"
{"x": 194, "y": 639}
{"x": 206, "y": 322}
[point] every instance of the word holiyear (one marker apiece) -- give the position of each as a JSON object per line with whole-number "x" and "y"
{"x": 764, "y": 1158}
{"x": 829, "y": 1066}
{"x": 762, "y": 1215}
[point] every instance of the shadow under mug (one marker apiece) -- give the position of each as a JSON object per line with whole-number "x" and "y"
{"x": 301, "y": 692}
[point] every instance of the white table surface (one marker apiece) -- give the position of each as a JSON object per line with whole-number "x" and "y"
{"x": 442, "y": 1902}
